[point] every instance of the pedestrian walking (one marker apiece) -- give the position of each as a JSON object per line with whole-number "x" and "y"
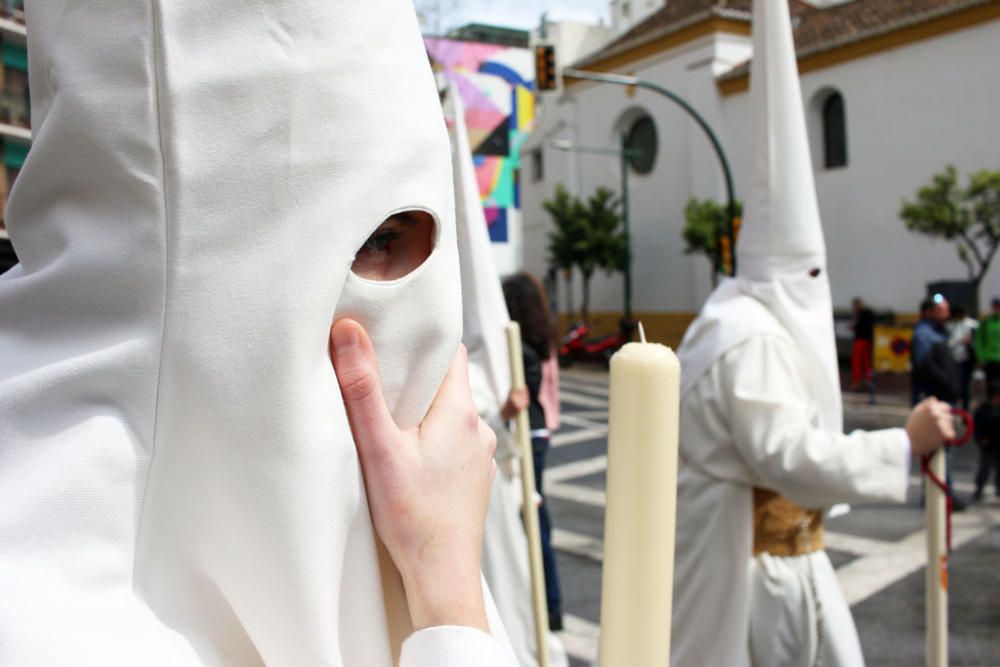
{"x": 988, "y": 342}
{"x": 961, "y": 333}
{"x": 935, "y": 372}
{"x": 861, "y": 352}
{"x": 987, "y": 420}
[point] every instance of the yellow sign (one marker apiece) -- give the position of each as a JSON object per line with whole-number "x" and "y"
{"x": 892, "y": 349}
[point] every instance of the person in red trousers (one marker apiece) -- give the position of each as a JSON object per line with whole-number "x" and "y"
{"x": 864, "y": 333}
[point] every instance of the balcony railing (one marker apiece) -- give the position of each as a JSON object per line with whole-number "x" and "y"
{"x": 13, "y": 10}
{"x": 14, "y": 109}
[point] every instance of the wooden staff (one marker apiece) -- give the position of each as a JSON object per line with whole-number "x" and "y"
{"x": 522, "y": 431}
{"x": 935, "y": 502}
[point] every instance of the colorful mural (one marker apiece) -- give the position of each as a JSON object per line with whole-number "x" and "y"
{"x": 497, "y": 86}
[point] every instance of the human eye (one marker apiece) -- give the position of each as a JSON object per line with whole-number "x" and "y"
{"x": 397, "y": 247}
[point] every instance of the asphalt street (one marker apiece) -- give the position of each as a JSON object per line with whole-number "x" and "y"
{"x": 878, "y": 550}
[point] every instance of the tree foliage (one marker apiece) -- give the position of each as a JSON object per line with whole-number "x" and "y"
{"x": 567, "y": 213}
{"x": 587, "y": 236}
{"x": 968, "y": 216}
{"x": 433, "y": 14}
{"x": 706, "y": 221}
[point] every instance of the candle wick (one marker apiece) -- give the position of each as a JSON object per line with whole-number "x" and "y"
{"x": 642, "y": 333}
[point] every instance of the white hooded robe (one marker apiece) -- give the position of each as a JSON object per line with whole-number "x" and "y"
{"x": 761, "y": 407}
{"x": 178, "y": 482}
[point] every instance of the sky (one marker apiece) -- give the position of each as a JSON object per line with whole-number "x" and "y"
{"x": 519, "y": 13}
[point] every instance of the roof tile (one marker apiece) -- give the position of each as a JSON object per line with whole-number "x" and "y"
{"x": 816, "y": 29}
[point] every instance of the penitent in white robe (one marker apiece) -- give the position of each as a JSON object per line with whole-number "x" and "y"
{"x": 750, "y": 421}
{"x": 484, "y": 318}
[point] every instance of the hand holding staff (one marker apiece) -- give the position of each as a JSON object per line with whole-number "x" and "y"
{"x": 522, "y": 432}
{"x": 929, "y": 425}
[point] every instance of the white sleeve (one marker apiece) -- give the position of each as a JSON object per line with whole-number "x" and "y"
{"x": 454, "y": 646}
{"x": 774, "y": 431}
{"x": 907, "y": 448}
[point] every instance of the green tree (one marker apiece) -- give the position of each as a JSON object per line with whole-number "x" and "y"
{"x": 434, "y": 14}
{"x": 706, "y": 223}
{"x": 587, "y": 236}
{"x": 969, "y": 216}
{"x": 568, "y": 215}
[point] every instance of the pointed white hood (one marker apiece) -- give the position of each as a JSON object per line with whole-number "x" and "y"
{"x": 781, "y": 255}
{"x": 178, "y": 482}
{"x": 781, "y": 235}
{"x": 484, "y": 311}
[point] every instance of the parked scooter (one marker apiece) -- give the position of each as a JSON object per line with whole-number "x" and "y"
{"x": 575, "y": 346}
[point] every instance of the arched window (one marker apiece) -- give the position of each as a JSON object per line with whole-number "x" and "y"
{"x": 641, "y": 144}
{"x": 834, "y": 132}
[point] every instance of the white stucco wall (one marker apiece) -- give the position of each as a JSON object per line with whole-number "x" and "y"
{"x": 910, "y": 111}
{"x": 572, "y": 39}
{"x": 591, "y": 115}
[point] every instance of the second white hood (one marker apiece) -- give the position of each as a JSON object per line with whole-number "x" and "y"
{"x": 781, "y": 254}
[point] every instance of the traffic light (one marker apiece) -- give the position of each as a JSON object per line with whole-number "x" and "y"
{"x": 726, "y": 241}
{"x": 725, "y": 255}
{"x": 545, "y": 67}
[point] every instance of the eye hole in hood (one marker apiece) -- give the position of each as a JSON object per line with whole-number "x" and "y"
{"x": 398, "y": 247}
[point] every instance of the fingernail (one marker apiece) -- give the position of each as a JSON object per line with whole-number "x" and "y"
{"x": 345, "y": 336}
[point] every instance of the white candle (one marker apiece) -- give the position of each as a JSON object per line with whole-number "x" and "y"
{"x": 937, "y": 566}
{"x": 637, "y": 586}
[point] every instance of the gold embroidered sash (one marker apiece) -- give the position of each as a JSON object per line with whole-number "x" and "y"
{"x": 782, "y": 528}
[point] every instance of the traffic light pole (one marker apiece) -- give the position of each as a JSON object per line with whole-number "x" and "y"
{"x": 624, "y": 153}
{"x": 621, "y": 80}
{"x": 625, "y": 223}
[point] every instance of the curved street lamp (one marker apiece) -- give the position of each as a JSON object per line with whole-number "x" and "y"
{"x": 632, "y": 81}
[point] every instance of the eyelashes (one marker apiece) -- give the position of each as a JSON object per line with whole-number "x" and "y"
{"x": 378, "y": 243}
{"x": 400, "y": 244}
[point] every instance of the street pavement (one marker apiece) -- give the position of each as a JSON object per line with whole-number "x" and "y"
{"x": 878, "y": 550}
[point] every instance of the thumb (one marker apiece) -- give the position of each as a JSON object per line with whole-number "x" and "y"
{"x": 454, "y": 390}
{"x": 357, "y": 373}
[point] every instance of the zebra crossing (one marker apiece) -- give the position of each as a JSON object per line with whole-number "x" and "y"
{"x": 574, "y": 486}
